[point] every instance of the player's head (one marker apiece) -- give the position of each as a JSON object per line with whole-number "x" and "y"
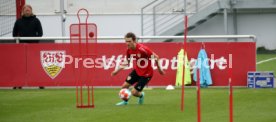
{"x": 130, "y": 39}
{"x": 27, "y": 11}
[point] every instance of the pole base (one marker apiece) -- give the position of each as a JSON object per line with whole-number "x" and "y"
{"x": 85, "y": 106}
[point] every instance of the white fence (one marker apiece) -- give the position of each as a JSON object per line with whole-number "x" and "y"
{"x": 143, "y": 38}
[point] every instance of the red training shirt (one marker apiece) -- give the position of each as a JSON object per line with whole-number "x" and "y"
{"x": 141, "y": 55}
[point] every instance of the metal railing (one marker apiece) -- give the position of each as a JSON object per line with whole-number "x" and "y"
{"x": 67, "y": 39}
{"x": 159, "y": 16}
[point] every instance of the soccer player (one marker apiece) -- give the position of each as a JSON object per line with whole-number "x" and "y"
{"x": 143, "y": 71}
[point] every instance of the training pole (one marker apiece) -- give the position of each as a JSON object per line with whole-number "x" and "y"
{"x": 230, "y": 101}
{"x": 198, "y": 96}
{"x": 184, "y": 62}
{"x": 230, "y": 91}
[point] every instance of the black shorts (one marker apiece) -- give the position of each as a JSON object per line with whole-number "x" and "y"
{"x": 141, "y": 81}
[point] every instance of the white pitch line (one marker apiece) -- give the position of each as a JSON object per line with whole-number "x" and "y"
{"x": 267, "y": 60}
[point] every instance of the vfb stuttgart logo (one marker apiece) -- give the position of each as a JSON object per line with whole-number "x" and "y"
{"x": 52, "y": 62}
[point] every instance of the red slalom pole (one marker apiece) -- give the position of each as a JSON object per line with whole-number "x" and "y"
{"x": 184, "y": 62}
{"x": 77, "y": 95}
{"x": 229, "y": 73}
{"x": 230, "y": 101}
{"x": 81, "y": 95}
{"x": 92, "y": 96}
{"x": 88, "y": 95}
{"x": 198, "y": 97}
{"x": 230, "y": 90}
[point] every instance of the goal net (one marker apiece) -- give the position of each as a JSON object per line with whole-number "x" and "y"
{"x": 7, "y": 16}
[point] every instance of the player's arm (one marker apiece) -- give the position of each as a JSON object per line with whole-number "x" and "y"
{"x": 122, "y": 66}
{"x": 156, "y": 59}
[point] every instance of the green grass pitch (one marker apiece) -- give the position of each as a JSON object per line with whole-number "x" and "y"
{"x": 58, "y": 105}
{"x": 267, "y": 66}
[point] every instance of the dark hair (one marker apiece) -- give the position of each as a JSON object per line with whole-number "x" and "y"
{"x": 131, "y": 35}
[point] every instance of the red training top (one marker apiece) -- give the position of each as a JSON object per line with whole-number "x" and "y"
{"x": 141, "y": 55}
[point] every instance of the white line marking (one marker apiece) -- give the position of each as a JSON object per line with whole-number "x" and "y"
{"x": 267, "y": 60}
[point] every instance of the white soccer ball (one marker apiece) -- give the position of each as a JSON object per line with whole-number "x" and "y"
{"x": 125, "y": 94}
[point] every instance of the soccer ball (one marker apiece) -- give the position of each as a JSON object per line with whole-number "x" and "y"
{"x": 124, "y": 94}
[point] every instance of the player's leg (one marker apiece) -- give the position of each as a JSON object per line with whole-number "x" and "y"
{"x": 126, "y": 85}
{"x": 138, "y": 88}
{"x": 130, "y": 80}
{"x": 139, "y": 94}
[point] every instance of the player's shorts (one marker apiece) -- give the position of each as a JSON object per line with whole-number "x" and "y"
{"x": 141, "y": 81}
